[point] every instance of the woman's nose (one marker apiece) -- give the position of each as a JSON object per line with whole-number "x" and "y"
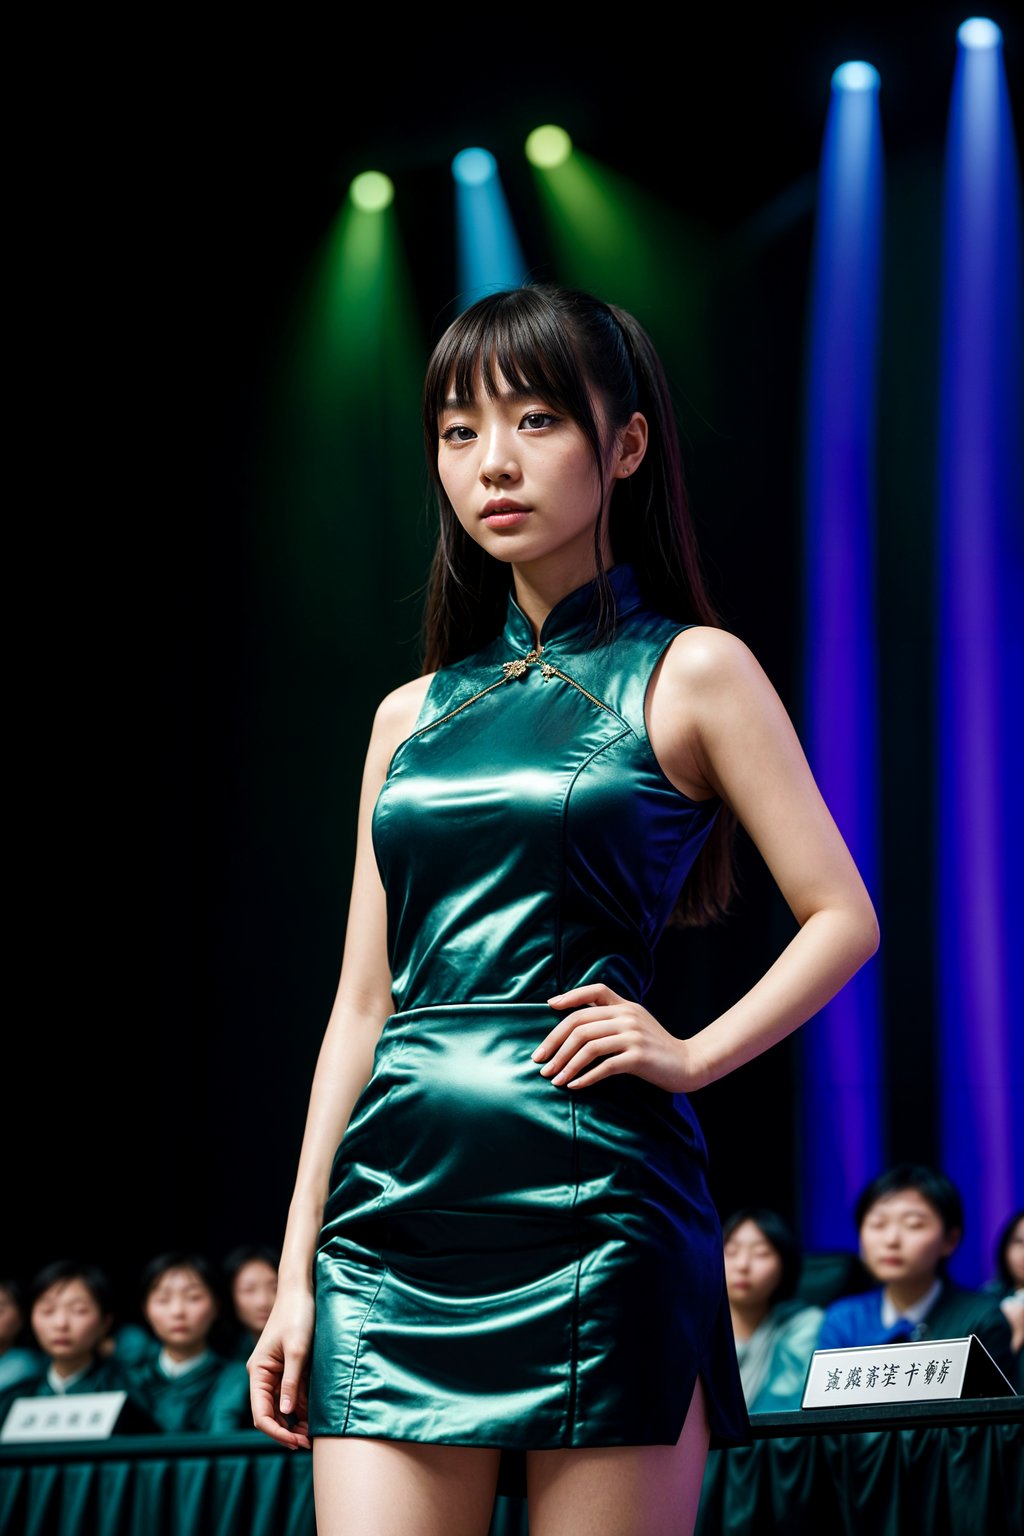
{"x": 499, "y": 461}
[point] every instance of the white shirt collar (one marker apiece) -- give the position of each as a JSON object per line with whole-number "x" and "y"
{"x": 914, "y": 1313}
{"x": 61, "y": 1383}
{"x": 180, "y": 1367}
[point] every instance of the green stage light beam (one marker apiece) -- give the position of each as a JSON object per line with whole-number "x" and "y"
{"x": 345, "y": 529}
{"x": 610, "y": 236}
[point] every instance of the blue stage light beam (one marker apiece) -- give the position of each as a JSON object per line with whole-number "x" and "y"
{"x": 841, "y": 1101}
{"x": 980, "y": 654}
{"x": 489, "y": 255}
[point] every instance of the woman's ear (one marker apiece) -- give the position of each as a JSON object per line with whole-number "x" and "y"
{"x": 951, "y": 1241}
{"x": 630, "y": 447}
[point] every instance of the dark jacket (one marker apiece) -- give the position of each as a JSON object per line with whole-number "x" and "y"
{"x": 954, "y": 1314}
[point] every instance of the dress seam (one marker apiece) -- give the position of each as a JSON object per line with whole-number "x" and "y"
{"x": 384, "y": 1274}
{"x": 570, "y": 1426}
{"x": 358, "y": 1349}
{"x": 574, "y": 1325}
{"x": 562, "y": 817}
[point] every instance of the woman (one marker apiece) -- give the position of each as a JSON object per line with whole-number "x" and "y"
{"x": 71, "y": 1313}
{"x": 19, "y": 1360}
{"x": 250, "y": 1272}
{"x": 500, "y": 1221}
{"x": 1007, "y": 1286}
{"x": 186, "y": 1384}
{"x": 775, "y": 1333}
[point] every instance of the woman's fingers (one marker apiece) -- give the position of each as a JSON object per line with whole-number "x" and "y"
{"x": 607, "y": 1034}
{"x": 610, "y": 1046}
{"x": 593, "y": 992}
{"x": 292, "y": 1376}
{"x": 272, "y": 1401}
{"x": 564, "y": 1028}
{"x": 593, "y": 1023}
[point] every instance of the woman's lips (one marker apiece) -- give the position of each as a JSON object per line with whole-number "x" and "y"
{"x": 505, "y": 519}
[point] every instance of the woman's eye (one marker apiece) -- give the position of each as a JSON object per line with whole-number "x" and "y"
{"x": 451, "y": 434}
{"x": 536, "y": 419}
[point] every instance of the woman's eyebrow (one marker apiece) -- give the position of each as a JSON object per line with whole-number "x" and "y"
{"x": 512, "y": 396}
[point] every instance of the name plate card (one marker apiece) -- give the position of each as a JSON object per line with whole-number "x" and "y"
{"x": 930, "y": 1370}
{"x": 74, "y": 1416}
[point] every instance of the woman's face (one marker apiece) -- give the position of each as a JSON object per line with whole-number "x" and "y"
{"x": 67, "y": 1320}
{"x": 253, "y": 1293}
{"x": 902, "y": 1238}
{"x": 181, "y": 1308}
{"x": 1015, "y": 1252}
{"x": 521, "y": 477}
{"x": 753, "y": 1267}
{"x": 10, "y": 1319}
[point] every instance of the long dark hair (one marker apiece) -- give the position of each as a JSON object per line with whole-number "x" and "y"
{"x": 561, "y": 343}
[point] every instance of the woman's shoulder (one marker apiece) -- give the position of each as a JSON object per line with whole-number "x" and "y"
{"x": 799, "y": 1320}
{"x": 796, "y": 1311}
{"x": 398, "y": 711}
{"x": 705, "y": 655}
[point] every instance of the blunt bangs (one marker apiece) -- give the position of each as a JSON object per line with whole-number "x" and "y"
{"x": 515, "y": 340}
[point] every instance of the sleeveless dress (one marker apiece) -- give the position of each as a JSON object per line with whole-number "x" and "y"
{"x": 503, "y": 1261}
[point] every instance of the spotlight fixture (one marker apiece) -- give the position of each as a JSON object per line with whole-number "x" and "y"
{"x": 372, "y": 191}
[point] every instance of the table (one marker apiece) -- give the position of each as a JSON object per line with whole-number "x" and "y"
{"x": 950, "y": 1469}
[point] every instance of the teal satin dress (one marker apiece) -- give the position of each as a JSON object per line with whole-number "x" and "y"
{"x": 503, "y": 1261}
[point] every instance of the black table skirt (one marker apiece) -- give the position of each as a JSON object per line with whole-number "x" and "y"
{"x": 955, "y": 1472}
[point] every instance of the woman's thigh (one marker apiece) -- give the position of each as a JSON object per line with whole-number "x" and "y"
{"x": 621, "y": 1490}
{"x": 364, "y": 1487}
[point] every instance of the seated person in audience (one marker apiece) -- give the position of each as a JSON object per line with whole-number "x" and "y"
{"x": 1007, "y": 1286}
{"x": 129, "y": 1340}
{"x": 19, "y": 1356}
{"x": 251, "y": 1276}
{"x": 910, "y": 1220}
{"x": 70, "y": 1314}
{"x": 775, "y": 1333}
{"x": 187, "y": 1385}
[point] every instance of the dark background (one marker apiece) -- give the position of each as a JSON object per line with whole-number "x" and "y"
{"x": 186, "y": 749}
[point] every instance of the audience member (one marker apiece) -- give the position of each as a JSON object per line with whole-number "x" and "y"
{"x": 70, "y": 1314}
{"x": 1007, "y": 1285}
{"x": 187, "y": 1385}
{"x": 775, "y": 1333}
{"x": 910, "y": 1220}
{"x": 251, "y": 1276}
{"x": 19, "y": 1357}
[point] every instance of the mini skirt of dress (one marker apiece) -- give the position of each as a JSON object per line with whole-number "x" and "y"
{"x": 504, "y": 1261}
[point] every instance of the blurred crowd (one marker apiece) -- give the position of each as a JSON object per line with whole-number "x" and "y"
{"x": 182, "y": 1363}
{"x": 894, "y": 1289}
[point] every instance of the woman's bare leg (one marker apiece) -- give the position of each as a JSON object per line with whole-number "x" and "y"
{"x": 364, "y": 1487}
{"x": 621, "y": 1490}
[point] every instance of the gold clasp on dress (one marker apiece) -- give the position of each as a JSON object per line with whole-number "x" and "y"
{"x": 517, "y": 668}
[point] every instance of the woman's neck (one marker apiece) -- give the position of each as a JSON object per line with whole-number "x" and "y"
{"x": 540, "y": 584}
{"x": 179, "y": 1353}
{"x": 906, "y": 1293}
{"x": 72, "y": 1365}
{"x": 747, "y": 1320}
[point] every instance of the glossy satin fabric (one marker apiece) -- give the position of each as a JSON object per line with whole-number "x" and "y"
{"x": 503, "y": 1261}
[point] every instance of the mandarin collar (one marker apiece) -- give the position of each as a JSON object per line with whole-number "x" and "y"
{"x": 574, "y": 616}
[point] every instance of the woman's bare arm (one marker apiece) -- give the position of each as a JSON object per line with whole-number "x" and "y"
{"x": 716, "y": 720}
{"x": 278, "y": 1365}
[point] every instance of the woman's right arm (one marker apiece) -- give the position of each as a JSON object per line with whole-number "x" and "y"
{"x": 279, "y": 1364}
